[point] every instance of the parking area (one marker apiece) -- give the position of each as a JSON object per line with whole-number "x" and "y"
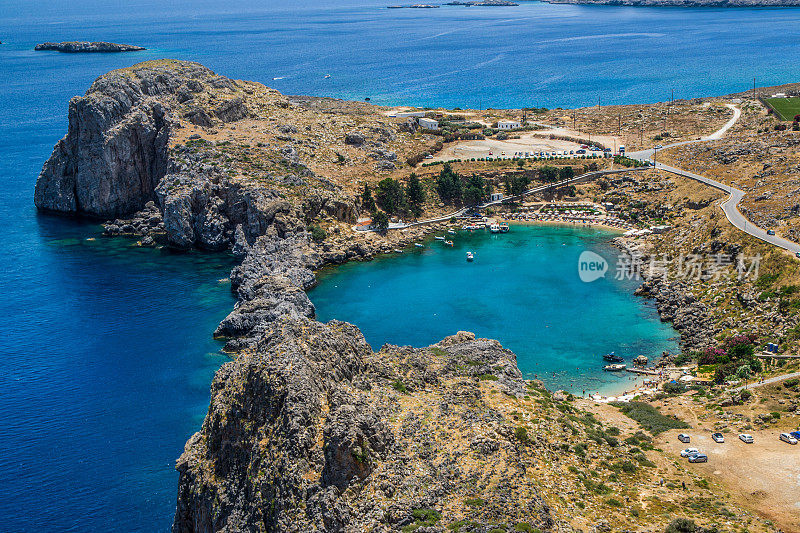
{"x": 764, "y": 475}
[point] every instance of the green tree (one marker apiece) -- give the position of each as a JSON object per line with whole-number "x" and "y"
{"x": 380, "y": 221}
{"x": 565, "y": 173}
{"x": 366, "y": 198}
{"x": 448, "y": 185}
{"x": 389, "y": 196}
{"x": 415, "y": 195}
{"x": 519, "y": 184}
{"x": 548, "y": 173}
{"x": 475, "y": 190}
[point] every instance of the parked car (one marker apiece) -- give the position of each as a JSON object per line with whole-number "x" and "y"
{"x": 795, "y": 434}
{"x": 688, "y": 452}
{"x": 659, "y": 147}
{"x": 785, "y": 437}
{"x": 718, "y": 437}
{"x": 698, "y": 458}
{"x": 770, "y": 232}
{"x": 683, "y": 437}
{"x": 744, "y": 437}
{"x": 581, "y": 151}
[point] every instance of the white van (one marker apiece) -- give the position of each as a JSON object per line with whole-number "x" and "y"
{"x": 785, "y": 437}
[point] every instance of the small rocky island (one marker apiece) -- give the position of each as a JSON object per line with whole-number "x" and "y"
{"x": 86, "y": 47}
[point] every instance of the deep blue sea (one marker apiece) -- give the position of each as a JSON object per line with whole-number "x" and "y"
{"x": 108, "y": 348}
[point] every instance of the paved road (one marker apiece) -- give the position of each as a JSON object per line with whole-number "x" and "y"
{"x": 769, "y": 381}
{"x": 730, "y": 206}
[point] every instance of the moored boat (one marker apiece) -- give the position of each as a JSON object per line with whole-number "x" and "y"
{"x": 494, "y": 228}
{"x": 613, "y": 358}
{"x": 614, "y": 368}
{"x": 504, "y": 228}
{"x": 418, "y": 245}
{"x": 438, "y": 238}
{"x": 448, "y": 243}
{"x": 470, "y": 256}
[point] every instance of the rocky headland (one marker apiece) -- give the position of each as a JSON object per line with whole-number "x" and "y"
{"x": 308, "y": 428}
{"x": 87, "y": 47}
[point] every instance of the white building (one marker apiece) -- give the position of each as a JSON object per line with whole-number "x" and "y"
{"x": 428, "y": 123}
{"x": 496, "y": 196}
{"x": 508, "y": 124}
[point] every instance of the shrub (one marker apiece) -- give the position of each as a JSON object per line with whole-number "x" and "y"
{"x": 399, "y": 386}
{"x": 318, "y": 234}
{"x": 474, "y": 502}
{"x": 681, "y": 525}
{"x": 613, "y": 502}
{"x": 746, "y": 395}
{"x": 521, "y": 433}
{"x": 789, "y": 383}
{"x": 673, "y": 388}
{"x": 649, "y": 417}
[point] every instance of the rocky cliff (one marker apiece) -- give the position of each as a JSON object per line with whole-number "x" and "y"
{"x": 312, "y": 431}
{"x": 87, "y": 47}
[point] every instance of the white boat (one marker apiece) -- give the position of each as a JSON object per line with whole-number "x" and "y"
{"x": 418, "y": 245}
{"x": 327, "y": 76}
{"x": 448, "y": 243}
{"x": 439, "y": 238}
{"x": 451, "y": 231}
{"x": 614, "y": 368}
{"x": 470, "y": 256}
{"x": 398, "y": 251}
{"x": 494, "y": 228}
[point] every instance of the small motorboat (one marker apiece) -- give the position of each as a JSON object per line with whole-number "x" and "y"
{"x": 448, "y": 243}
{"x": 494, "y": 228}
{"x": 470, "y": 256}
{"x": 614, "y": 368}
{"x": 398, "y": 251}
{"x": 418, "y": 245}
{"x": 439, "y": 238}
{"x": 451, "y": 231}
{"x": 327, "y": 76}
{"x": 504, "y": 228}
{"x": 613, "y": 358}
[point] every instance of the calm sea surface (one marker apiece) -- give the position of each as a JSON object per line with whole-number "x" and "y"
{"x": 523, "y": 288}
{"x": 108, "y": 348}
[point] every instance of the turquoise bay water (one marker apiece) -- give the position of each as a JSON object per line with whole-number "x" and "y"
{"x": 522, "y": 289}
{"x": 108, "y": 348}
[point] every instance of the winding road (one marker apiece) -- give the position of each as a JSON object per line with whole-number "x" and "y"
{"x": 730, "y": 206}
